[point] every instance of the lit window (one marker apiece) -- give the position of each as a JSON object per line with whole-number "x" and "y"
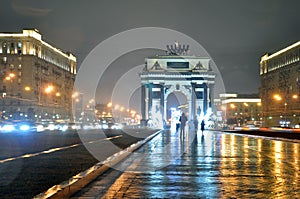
{"x": 20, "y": 66}
{"x": 4, "y": 48}
{"x": 11, "y": 66}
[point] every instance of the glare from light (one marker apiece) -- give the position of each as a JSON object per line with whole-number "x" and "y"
{"x": 277, "y": 97}
{"x": 24, "y": 127}
{"x": 27, "y": 88}
{"x": 8, "y": 127}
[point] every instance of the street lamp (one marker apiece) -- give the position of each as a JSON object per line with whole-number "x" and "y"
{"x": 49, "y": 89}
{"x": 27, "y": 88}
{"x": 277, "y": 97}
{"x": 10, "y": 78}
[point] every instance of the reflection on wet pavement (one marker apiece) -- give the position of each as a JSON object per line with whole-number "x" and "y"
{"x": 215, "y": 165}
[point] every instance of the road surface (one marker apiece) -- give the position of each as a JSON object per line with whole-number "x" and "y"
{"x": 215, "y": 165}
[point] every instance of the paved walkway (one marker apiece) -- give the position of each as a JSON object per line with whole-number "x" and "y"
{"x": 212, "y": 165}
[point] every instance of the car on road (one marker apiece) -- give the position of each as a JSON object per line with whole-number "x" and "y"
{"x": 18, "y": 126}
{"x": 7, "y": 127}
{"x": 69, "y": 126}
{"x": 26, "y": 126}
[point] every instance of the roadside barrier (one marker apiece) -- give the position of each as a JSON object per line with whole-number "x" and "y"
{"x": 79, "y": 181}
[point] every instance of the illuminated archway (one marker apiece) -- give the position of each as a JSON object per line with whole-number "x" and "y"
{"x": 170, "y": 73}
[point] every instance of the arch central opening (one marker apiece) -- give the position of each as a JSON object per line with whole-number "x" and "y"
{"x": 176, "y": 104}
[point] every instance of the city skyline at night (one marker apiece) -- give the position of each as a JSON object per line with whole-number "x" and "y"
{"x": 235, "y": 34}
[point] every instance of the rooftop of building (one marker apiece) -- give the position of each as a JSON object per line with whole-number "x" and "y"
{"x": 267, "y": 56}
{"x": 35, "y": 34}
{"x": 236, "y": 95}
{"x": 176, "y": 57}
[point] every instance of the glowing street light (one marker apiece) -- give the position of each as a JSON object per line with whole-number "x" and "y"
{"x": 117, "y": 106}
{"x": 258, "y": 103}
{"x": 232, "y": 106}
{"x": 74, "y": 95}
{"x": 91, "y": 101}
{"x": 10, "y": 76}
{"x": 27, "y": 88}
{"x": 277, "y": 97}
{"x": 49, "y": 89}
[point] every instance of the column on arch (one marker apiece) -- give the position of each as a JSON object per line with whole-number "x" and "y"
{"x": 143, "y": 105}
{"x": 211, "y": 97}
{"x": 162, "y": 100}
{"x": 157, "y": 105}
{"x": 205, "y": 98}
{"x": 150, "y": 99}
{"x": 193, "y": 101}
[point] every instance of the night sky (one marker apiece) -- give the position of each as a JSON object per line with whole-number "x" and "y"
{"x": 235, "y": 33}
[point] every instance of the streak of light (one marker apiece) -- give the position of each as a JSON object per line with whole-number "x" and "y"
{"x": 53, "y": 150}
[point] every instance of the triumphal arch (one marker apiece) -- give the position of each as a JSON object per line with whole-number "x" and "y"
{"x": 176, "y": 71}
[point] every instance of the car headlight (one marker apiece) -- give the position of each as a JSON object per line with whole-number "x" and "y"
{"x": 40, "y": 128}
{"x": 64, "y": 127}
{"x": 24, "y": 127}
{"x": 8, "y": 127}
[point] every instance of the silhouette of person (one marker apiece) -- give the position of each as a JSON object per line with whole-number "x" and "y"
{"x": 202, "y": 125}
{"x": 183, "y": 120}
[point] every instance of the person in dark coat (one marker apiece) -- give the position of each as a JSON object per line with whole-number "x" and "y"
{"x": 202, "y": 125}
{"x": 183, "y": 120}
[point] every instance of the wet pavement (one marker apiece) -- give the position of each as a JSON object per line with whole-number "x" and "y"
{"x": 209, "y": 165}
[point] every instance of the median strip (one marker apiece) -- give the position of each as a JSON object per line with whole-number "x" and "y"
{"x": 79, "y": 181}
{"x": 53, "y": 150}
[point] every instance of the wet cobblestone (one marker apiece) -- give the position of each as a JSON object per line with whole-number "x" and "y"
{"x": 216, "y": 165}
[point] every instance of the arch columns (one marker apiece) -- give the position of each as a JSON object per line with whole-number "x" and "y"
{"x": 154, "y": 94}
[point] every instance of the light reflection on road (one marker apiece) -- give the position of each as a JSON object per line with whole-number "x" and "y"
{"x": 216, "y": 165}
{"x": 257, "y": 167}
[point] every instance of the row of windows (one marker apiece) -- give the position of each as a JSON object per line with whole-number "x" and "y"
{"x": 43, "y": 53}
{"x": 11, "y": 48}
{"x": 282, "y": 60}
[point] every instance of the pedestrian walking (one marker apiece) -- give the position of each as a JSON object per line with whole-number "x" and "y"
{"x": 202, "y": 125}
{"x": 183, "y": 120}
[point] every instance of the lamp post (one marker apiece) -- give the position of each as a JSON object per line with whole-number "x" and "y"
{"x": 77, "y": 104}
{"x": 277, "y": 97}
{"x": 224, "y": 109}
{"x": 9, "y": 78}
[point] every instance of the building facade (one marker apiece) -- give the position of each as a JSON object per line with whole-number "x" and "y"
{"x": 36, "y": 79}
{"x": 176, "y": 72}
{"x": 239, "y": 109}
{"x": 279, "y": 91}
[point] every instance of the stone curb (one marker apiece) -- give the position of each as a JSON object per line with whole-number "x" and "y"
{"x": 79, "y": 181}
{"x": 273, "y": 134}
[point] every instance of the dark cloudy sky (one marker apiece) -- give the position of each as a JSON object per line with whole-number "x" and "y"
{"x": 234, "y": 32}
